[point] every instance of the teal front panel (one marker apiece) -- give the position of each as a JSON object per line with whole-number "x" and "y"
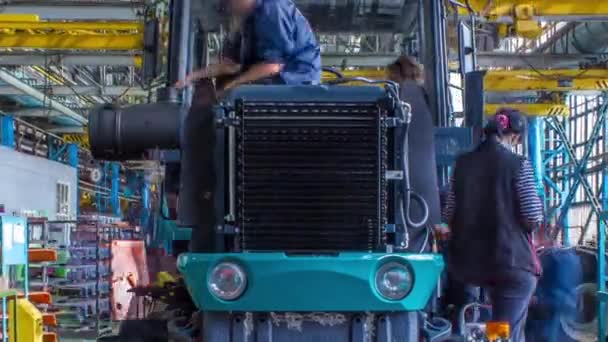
{"x": 278, "y": 282}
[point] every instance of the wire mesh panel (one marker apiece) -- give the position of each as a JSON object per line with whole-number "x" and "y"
{"x": 310, "y": 176}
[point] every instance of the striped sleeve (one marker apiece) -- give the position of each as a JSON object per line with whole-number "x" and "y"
{"x": 531, "y": 207}
{"x": 447, "y": 214}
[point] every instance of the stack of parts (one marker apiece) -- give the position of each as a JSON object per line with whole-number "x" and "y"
{"x": 79, "y": 278}
{"x": 40, "y": 256}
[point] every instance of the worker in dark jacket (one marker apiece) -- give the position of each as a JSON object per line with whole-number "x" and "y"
{"x": 492, "y": 209}
{"x": 275, "y": 45}
{"x": 423, "y": 166}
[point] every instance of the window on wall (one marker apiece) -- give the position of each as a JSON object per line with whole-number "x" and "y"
{"x": 63, "y": 199}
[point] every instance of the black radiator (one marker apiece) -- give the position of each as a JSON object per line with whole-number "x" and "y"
{"x": 310, "y": 176}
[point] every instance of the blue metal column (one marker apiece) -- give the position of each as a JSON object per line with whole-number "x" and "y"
{"x": 72, "y": 150}
{"x": 114, "y": 199}
{"x": 565, "y": 192}
{"x": 601, "y": 249}
{"x": 536, "y": 144}
{"x": 8, "y": 131}
{"x": 145, "y": 203}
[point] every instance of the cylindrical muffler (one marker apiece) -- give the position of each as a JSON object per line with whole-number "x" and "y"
{"x": 126, "y": 133}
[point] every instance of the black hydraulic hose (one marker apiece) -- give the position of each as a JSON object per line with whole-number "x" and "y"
{"x": 408, "y": 194}
{"x": 337, "y": 73}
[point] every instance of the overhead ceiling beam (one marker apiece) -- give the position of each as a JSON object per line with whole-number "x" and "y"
{"x": 71, "y": 60}
{"x": 36, "y": 112}
{"x": 113, "y": 91}
{"x": 359, "y": 60}
{"x": 66, "y": 130}
{"x": 78, "y": 10}
{"x": 28, "y": 90}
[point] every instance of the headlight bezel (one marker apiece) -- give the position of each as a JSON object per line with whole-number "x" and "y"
{"x": 383, "y": 269}
{"x": 221, "y": 294}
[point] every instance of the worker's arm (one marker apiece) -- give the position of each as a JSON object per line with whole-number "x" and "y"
{"x": 531, "y": 207}
{"x": 255, "y": 73}
{"x": 227, "y": 67}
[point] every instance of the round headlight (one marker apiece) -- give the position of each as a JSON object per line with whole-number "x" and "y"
{"x": 227, "y": 281}
{"x": 394, "y": 281}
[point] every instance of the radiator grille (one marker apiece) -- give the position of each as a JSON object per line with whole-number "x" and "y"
{"x": 310, "y": 176}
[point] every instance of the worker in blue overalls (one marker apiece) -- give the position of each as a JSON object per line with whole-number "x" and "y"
{"x": 492, "y": 208}
{"x": 274, "y": 45}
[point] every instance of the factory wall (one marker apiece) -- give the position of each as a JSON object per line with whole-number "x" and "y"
{"x": 36, "y": 185}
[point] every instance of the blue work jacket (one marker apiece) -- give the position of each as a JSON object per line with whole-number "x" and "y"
{"x": 276, "y": 32}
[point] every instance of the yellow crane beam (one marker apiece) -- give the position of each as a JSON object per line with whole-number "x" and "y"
{"x": 72, "y": 42}
{"x": 97, "y": 26}
{"x": 531, "y": 109}
{"x": 546, "y": 80}
{"x": 522, "y": 17}
{"x": 557, "y": 9}
{"x": 29, "y": 32}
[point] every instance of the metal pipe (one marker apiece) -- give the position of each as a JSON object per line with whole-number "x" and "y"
{"x": 179, "y": 41}
{"x": 435, "y": 58}
{"x": 27, "y": 90}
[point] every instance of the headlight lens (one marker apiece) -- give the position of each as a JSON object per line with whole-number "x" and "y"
{"x": 227, "y": 281}
{"x": 394, "y": 281}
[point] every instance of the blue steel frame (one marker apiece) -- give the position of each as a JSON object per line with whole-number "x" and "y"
{"x": 7, "y": 132}
{"x": 565, "y": 172}
{"x": 536, "y": 143}
{"x": 601, "y": 239}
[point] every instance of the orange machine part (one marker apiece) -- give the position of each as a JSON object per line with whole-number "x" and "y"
{"x": 42, "y": 255}
{"x": 129, "y": 269}
{"x": 49, "y": 319}
{"x": 40, "y": 298}
{"x": 49, "y": 337}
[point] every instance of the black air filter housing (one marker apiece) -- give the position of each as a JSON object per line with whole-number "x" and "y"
{"x": 307, "y": 168}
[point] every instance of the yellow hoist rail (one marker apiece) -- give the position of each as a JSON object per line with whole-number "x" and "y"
{"x": 28, "y": 32}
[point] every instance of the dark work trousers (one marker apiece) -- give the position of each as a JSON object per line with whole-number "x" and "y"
{"x": 510, "y": 293}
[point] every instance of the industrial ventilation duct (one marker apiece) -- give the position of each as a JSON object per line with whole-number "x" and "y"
{"x": 585, "y": 38}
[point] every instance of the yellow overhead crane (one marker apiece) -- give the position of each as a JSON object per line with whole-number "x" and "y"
{"x": 567, "y": 80}
{"x": 541, "y": 9}
{"x": 523, "y": 16}
{"x": 29, "y": 32}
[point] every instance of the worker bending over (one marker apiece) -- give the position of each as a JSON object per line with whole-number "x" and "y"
{"x": 492, "y": 208}
{"x": 273, "y": 43}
